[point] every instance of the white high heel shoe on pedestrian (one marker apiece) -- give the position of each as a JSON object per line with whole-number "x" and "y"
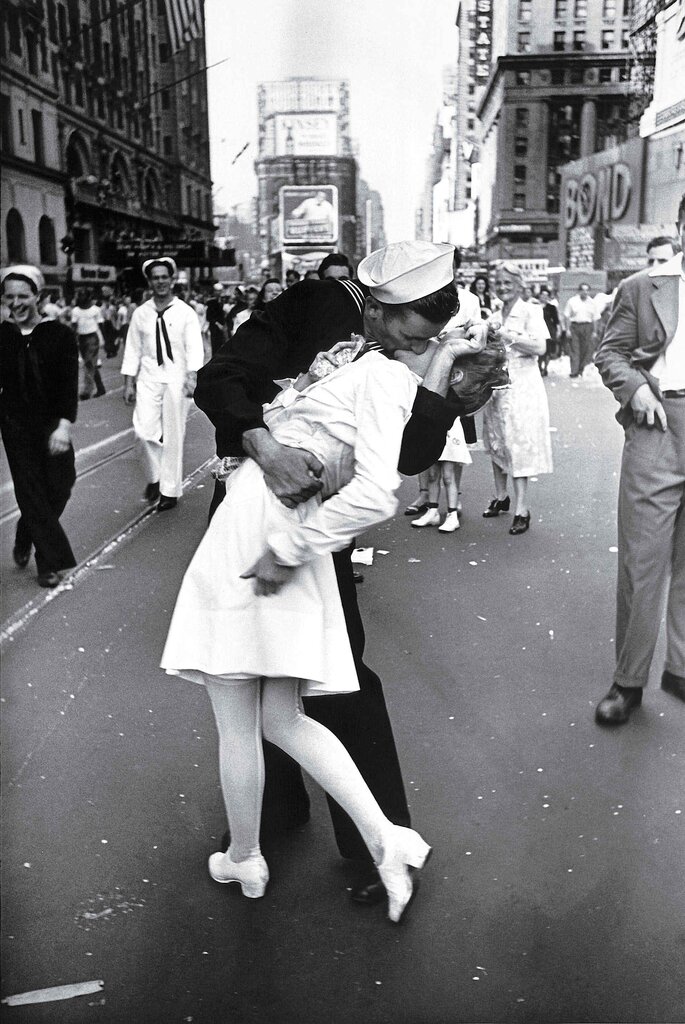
{"x": 403, "y": 849}
{"x": 252, "y": 874}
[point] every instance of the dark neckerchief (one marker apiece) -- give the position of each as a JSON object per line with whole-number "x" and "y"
{"x": 158, "y": 340}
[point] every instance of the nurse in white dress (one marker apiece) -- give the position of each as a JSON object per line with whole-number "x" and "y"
{"x": 516, "y": 421}
{"x": 259, "y": 621}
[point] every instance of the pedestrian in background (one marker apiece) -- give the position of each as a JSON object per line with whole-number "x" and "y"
{"x": 291, "y": 277}
{"x": 38, "y": 405}
{"x": 163, "y": 353}
{"x": 661, "y": 249}
{"x": 516, "y": 421}
{"x": 216, "y": 318}
{"x": 551, "y": 316}
{"x": 271, "y": 288}
{"x": 480, "y": 287}
{"x": 250, "y": 296}
{"x": 86, "y": 319}
{"x": 580, "y": 316}
{"x": 335, "y": 265}
{"x": 642, "y": 361}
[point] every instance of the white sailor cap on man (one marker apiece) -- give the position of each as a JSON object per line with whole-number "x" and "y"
{"x": 27, "y": 272}
{"x": 406, "y": 271}
{"x": 163, "y": 261}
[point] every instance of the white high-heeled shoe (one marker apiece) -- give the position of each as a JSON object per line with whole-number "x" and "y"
{"x": 403, "y": 849}
{"x": 252, "y": 874}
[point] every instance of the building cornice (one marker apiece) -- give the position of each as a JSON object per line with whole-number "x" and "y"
{"x": 28, "y": 83}
{"x": 16, "y": 163}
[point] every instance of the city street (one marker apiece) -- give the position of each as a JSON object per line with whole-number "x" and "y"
{"x": 556, "y": 891}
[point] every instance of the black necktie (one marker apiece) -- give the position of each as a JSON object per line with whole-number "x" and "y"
{"x": 158, "y": 340}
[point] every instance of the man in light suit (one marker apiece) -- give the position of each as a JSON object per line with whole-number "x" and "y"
{"x": 642, "y": 360}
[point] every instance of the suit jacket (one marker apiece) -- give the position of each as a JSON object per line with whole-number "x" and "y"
{"x": 642, "y": 322}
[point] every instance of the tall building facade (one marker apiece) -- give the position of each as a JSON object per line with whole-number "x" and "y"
{"x": 558, "y": 90}
{"x": 105, "y": 140}
{"x": 306, "y": 173}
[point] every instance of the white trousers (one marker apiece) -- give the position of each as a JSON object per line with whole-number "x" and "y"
{"x": 159, "y": 422}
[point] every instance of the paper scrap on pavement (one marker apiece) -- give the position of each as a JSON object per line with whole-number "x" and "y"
{"x": 363, "y": 556}
{"x": 52, "y": 995}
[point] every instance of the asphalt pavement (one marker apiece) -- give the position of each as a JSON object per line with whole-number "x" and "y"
{"x": 556, "y": 892}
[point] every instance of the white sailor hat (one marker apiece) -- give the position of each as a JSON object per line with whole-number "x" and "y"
{"x": 160, "y": 259}
{"x": 28, "y": 272}
{"x": 406, "y": 271}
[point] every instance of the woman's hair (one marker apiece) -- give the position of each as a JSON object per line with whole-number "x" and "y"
{"x": 513, "y": 270}
{"x": 19, "y": 277}
{"x": 437, "y": 308}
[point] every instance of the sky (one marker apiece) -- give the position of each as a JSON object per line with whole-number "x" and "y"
{"x": 392, "y": 53}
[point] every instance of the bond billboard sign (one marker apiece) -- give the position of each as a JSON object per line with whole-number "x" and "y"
{"x": 309, "y": 214}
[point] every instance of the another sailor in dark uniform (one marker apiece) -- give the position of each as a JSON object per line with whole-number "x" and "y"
{"x": 38, "y": 404}
{"x": 406, "y": 287}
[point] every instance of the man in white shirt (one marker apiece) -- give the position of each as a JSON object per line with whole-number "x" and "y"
{"x": 163, "y": 353}
{"x": 642, "y": 360}
{"x": 580, "y": 316}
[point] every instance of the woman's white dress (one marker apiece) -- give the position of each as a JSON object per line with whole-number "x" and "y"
{"x": 516, "y": 419}
{"x": 352, "y": 421}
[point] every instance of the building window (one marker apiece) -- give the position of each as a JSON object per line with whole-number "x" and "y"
{"x": 523, "y": 42}
{"x": 628, "y": 8}
{"x": 6, "y": 125}
{"x": 560, "y": 40}
{"x": 22, "y": 129}
{"x": 46, "y": 242}
{"x": 519, "y": 201}
{"x": 32, "y": 53}
{"x": 609, "y": 8}
{"x": 580, "y": 9}
{"x": 524, "y": 10}
{"x": 107, "y": 59}
{"x": 86, "y": 43}
{"x": 558, "y": 76}
{"x": 521, "y": 145}
{"x": 607, "y": 38}
{"x": 16, "y": 238}
{"x": 189, "y": 201}
{"x": 522, "y": 118}
{"x": 560, "y": 9}
{"x": 168, "y": 147}
{"x": 38, "y": 141}
{"x": 163, "y": 53}
{"x": 604, "y": 75}
{"x": 14, "y": 30}
{"x": 575, "y": 76}
{"x": 624, "y": 73}
{"x": 78, "y": 90}
{"x": 523, "y": 77}
{"x": 579, "y": 39}
{"x": 62, "y": 23}
{"x": 625, "y": 38}
{"x": 520, "y": 174}
{"x": 166, "y": 99}
{"x": 52, "y": 22}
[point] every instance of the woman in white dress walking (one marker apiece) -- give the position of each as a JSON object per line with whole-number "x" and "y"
{"x": 516, "y": 422}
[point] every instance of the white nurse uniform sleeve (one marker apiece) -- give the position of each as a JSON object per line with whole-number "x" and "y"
{"x": 382, "y": 406}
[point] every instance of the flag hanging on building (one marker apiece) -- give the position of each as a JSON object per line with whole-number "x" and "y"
{"x": 184, "y": 22}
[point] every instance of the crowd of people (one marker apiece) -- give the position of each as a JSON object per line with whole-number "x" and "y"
{"x": 321, "y": 394}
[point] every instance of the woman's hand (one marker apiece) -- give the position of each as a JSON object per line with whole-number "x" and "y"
{"x": 268, "y": 575}
{"x": 60, "y": 438}
{"x": 190, "y": 383}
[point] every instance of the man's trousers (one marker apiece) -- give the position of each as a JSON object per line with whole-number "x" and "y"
{"x": 651, "y": 547}
{"x": 159, "y": 422}
{"x": 581, "y": 347}
{"x": 42, "y": 486}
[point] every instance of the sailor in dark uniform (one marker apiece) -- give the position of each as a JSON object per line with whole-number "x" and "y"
{"x": 406, "y": 287}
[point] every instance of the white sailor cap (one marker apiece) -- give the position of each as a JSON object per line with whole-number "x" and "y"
{"x": 406, "y": 271}
{"x": 160, "y": 259}
{"x": 28, "y": 272}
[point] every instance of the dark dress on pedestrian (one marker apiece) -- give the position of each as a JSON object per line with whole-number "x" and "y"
{"x": 280, "y": 342}
{"x": 38, "y": 388}
{"x": 216, "y": 319}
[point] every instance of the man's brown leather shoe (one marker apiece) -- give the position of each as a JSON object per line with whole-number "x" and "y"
{"x": 619, "y": 703}
{"x": 674, "y": 684}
